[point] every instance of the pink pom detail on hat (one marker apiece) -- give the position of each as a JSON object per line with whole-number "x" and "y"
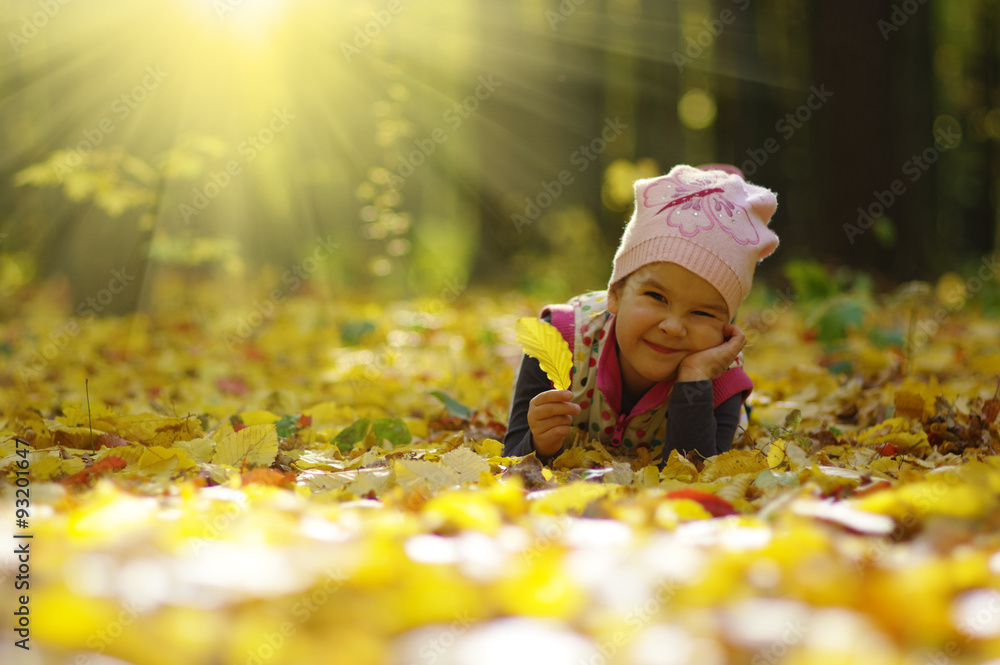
{"x": 708, "y": 220}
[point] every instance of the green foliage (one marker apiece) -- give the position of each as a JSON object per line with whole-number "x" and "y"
{"x": 834, "y": 318}
{"x": 353, "y": 331}
{"x": 885, "y": 232}
{"x": 352, "y": 434}
{"x": 393, "y": 430}
{"x": 114, "y": 180}
{"x": 287, "y": 425}
{"x": 810, "y": 280}
{"x": 832, "y": 303}
{"x": 452, "y": 406}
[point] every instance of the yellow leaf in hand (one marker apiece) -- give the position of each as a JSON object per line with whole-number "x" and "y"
{"x": 545, "y": 343}
{"x": 256, "y": 445}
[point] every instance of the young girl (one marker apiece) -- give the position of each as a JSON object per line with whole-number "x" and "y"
{"x": 657, "y": 357}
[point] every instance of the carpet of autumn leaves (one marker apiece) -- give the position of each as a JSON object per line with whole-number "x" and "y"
{"x": 286, "y": 488}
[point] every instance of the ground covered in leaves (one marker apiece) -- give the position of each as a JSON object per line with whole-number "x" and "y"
{"x": 324, "y": 483}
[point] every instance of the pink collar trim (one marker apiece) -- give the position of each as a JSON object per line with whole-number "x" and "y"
{"x": 609, "y": 379}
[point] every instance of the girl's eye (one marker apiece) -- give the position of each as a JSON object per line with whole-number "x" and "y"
{"x": 700, "y": 313}
{"x": 655, "y": 295}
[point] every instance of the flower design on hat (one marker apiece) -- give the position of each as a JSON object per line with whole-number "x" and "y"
{"x": 697, "y": 203}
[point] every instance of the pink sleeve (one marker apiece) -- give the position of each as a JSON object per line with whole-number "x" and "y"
{"x": 729, "y": 383}
{"x": 562, "y": 319}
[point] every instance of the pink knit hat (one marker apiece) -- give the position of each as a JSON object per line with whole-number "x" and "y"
{"x": 708, "y": 220}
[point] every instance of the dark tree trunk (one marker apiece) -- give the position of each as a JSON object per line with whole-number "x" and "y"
{"x": 878, "y": 118}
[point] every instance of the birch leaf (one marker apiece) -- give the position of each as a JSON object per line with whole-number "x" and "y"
{"x": 732, "y": 463}
{"x": 256, "y": 445}
{"x": 776, "y": 457}
{"x": 466, "y": 464}
{"x": 163, "y": 462}
{"x": 436, "y": 476}
{"x": 199, "y": 450}
{"x": 47, "y": 467}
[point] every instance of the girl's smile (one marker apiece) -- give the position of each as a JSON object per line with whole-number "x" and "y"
{"x": 661, "y": 349}
{"x": 664, "y": 313}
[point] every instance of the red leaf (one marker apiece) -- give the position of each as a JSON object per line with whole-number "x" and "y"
{"x": 111, "y": 441}
{"x": 232, "y": 385}
{"x": 992, "y": 406}
{"x": 251, "y": 352}
{"x": 304, "y": 421}
{"x": 238, "y": 426}
{"x": 107, "y": 464}
{"x": 716, "y": 506}
{"x": 269, "y": 477}
{"x": 888, "y": 450}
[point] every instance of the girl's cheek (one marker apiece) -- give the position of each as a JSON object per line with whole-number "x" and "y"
{"x": 712, "y": 336}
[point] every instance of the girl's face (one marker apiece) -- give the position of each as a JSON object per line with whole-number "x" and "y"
{"x": 664, "y": 313}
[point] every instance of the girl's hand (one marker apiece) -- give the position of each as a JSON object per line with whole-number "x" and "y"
{"x": 712, "y": 362}
{"x": 550, "y": 416}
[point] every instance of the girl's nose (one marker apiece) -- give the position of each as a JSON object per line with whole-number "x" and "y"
{"x": 672, "y": 326}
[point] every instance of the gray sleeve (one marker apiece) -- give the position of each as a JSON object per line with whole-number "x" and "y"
{"x": 693, "y": 423}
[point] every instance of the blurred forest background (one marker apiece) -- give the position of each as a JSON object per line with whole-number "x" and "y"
{"x": 447, "y": 145}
